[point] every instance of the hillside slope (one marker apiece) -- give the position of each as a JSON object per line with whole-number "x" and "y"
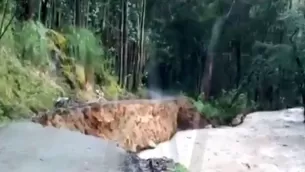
{"x": 23, "y": 88}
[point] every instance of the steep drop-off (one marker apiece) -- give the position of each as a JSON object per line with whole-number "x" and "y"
{"x": 134, "y": 124}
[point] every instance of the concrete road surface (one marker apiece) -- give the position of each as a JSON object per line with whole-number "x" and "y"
{"x": 27, "y": 147}
{"x": 265, "y": 142}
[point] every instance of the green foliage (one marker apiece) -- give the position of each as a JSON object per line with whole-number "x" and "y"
{"x": 241, "y": 103}
{"x": 180, "y": 168}
{"x": 83, "y": 45}
{"x": 111, "y": 88}
{"x": 21, "y": 89}
{"x": 7, "y": 39}
{"x": 177, "y": 35}
{"x": 58, "y": 39}
{"x": 32, "y": 43}
{"x": 25, "y": 85}
{"x": 222, "y": 107}
{"x": 208, "y": 109}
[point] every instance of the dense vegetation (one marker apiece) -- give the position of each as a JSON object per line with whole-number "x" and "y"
{"x": 227, "y": 54}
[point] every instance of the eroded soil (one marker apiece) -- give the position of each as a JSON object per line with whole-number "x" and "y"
{"x": 133, "y": 124}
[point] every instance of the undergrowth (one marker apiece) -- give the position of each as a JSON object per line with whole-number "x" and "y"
{"x": 32, "y": 43}
{"x": 222, "y": 108}
{"x": 91, "y": 60}
{"x": 21, "y": 91}
{"x": 30, "y": 76}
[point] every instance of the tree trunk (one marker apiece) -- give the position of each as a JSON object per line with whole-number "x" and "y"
{"x": 300, "y": 79}
{"x": 27, "y": 9}
{"x": 56, "y": 15}
{"x": 237, "y": 52}
{"x": 44, "y": 11}
{"x": 208, "y": 70}
{"x": 132, "y": 56}
{"x": 141, "y": 54}
{"x": 207, "y": 77}
{"x": 120, "y": 59}
{"x": 78, "y": 20}
{"x": 125, "y": 43}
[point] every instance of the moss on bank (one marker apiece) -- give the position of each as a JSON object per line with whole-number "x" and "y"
{"x": 22, "y": 89}
{"x": 29, "y": 77}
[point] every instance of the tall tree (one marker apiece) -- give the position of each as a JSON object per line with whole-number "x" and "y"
{"x": 216, "y": 33}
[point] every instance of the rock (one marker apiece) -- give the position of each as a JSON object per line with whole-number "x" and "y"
{"x": 152, "y": 144}
{"x": 65, "y": 102}
{"x": 149, "y": 165}
{"x": 29, "y": 147}
{"x": 133, "y": 124}
{"x": 61, "y": 102}
{"x": 239, "y": 119}
{"x": 100, "y": 96}
{"x": 188, "y": 116}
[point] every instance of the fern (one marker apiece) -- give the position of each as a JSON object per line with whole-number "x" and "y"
{"x": 83, "y": 45}
{"x": 32, "y": 43}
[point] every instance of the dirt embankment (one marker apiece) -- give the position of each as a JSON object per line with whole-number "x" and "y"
{"x": 134, "y": 124}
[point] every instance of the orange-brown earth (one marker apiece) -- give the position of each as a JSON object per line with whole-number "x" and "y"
{"x": 134, "y": 124}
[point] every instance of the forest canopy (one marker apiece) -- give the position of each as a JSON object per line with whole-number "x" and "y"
{"x": 235, "y": 51}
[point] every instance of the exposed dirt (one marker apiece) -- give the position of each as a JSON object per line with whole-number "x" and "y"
{"x": 188, "y": 116}
{"x": 134, "y": 124}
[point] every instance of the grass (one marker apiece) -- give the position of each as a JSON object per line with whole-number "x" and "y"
{"x": 24, "y": 88}
{"x": 21, "y": 89}
{"x": 27, "y": 80}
